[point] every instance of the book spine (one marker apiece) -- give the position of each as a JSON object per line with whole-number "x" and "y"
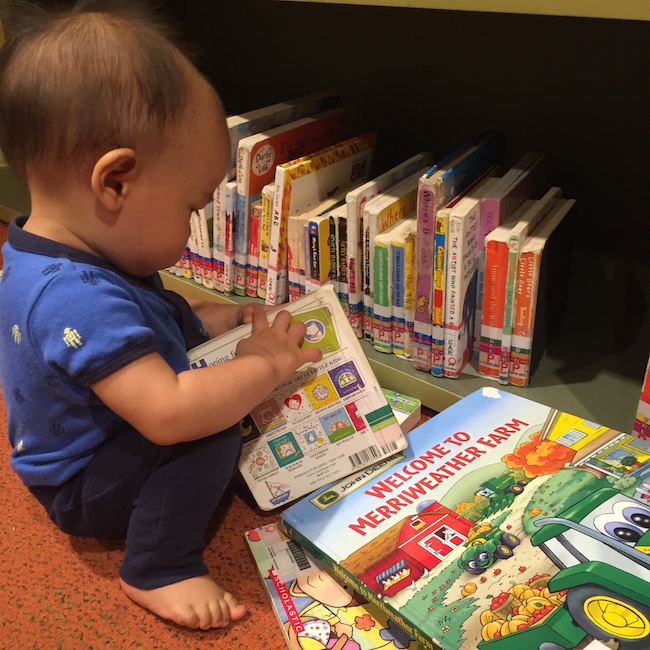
{"x": 218, "y": 248}
{"x": 293, "y": 253}
{"x": 314, "y": 259}
{"x": 306, "y": 259}
{"x": 453, "y": 291}
{"x": 424, "y": 277}
{"x": 354, "y": 260}
{"x": 253, "y": 248}
{"x": 382, "y": 307}
{"x": 229, "y": 252}
{"x": 496, "y": 260}
{"x": 356, "y": 584}
{"x": 275, "y": 279}
{"x": 204, "y": 237}
{"x": 439, "y": 279}
{"x": 242, "y": 216}
{"x": 265, "y": 233}
{"x": 398, "y": 319}
{"x": 524, "y": 311}
{"x": 333, "y": 248}
{"x": 508, "y": 309}
{"x": 195, "y": 257}
{"x": 410, "y": 252}
{"x": 342, "y": 273}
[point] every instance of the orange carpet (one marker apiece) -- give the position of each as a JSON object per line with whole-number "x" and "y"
{"x": 59, "y": 592}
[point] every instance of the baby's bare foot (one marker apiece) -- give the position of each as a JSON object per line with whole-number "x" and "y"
{"x": 195, "y": 602}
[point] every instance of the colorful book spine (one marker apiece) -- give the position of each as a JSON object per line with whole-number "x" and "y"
{"x": 496, "y": 267}
{"x": 299, "y": 184}
{"x": 356, "y": 200}
{"x": 642, "y": 419}
{"x": 252, "y": 273}
{"x": 294, "y": 236}
{"x": 265, "y": 232}
{"x": 464, "y": 220}
{"x": 410, "y": 253}
{"x": 334, "y": 252}
{"x": 342, "y": 271}
{"x": 229, "y": 243}
{"x": 439, "y": 280}
{"x": 436, "y": 187}
{"x": 219, "y": 235}
{"x": 540, "y": 294}
{"x": 319, "y": 252}
{"x": 259, "y": 154}
{"x": 383, "y": 302}
{"x": 379, "y": 214}
{"x": 518, "y": 235}
{"x": 399, "y": 281}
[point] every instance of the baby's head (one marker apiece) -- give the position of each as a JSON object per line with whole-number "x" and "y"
{"x": 99, "y": 97}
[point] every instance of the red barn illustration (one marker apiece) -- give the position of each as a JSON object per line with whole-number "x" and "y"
{"x": 414, "y": 546}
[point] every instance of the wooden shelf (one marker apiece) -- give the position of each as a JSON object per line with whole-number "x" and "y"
{"x": 578, "y": 374}
{"x": 624, "y": 9}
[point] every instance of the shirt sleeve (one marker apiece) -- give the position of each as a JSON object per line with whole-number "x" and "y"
{"x": 89, "y": 326}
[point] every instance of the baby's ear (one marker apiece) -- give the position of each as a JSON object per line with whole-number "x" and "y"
{"x": 111, "y": 177}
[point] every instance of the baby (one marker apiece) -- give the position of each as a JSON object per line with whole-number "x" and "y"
{"x": 120, "y": 139}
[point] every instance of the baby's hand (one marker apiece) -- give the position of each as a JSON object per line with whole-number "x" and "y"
{"x": 278, "y": 344}
{"x": 245, "y": 312}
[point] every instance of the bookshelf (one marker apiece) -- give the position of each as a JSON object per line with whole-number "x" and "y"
{"x": 429, "y": 74}
{"x": 623, "y": 9}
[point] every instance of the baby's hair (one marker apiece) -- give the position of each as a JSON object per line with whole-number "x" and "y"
{"x": 75, "y": 82}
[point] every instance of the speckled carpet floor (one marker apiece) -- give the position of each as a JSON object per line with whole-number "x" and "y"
{"x": 59, "y": 592}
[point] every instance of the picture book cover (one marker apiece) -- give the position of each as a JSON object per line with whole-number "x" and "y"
{"x": 642, "y": 418}
{"x": 328, "y": 420}
{"x": 314, "y": 608}
{"x": 505, "y": 525}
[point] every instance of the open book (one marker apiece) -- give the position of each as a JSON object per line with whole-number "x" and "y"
{"x": 328, "y": 420}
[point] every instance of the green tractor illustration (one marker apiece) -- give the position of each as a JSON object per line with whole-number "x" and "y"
{"x": 485, "y": 545}
{"x": 602, "y": 547}
{"x": 500, "y": 491}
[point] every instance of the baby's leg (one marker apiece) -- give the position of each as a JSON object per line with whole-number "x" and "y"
{"x": 163, "y": 570}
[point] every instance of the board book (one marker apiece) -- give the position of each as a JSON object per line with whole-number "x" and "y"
{"x": 380, "y": 213}
{"x": 506, "y": 524}
{"x": 355, "y": 201}
{"x": 464, "y": 219}
{"x": 324, "y": 422}
{"x": 304, "y": 182}
{"x": 541, "y": 292}
{"x": 265, "y": 234}
{"x": 313, "y": 607}
{"x": 516, "y": 239}
{"x": 257, "y": 157}
{"x": 437, "y": 187}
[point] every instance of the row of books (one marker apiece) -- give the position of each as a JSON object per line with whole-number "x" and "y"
{"x": 505, "y": 524}
{"x": 406, "y": 251}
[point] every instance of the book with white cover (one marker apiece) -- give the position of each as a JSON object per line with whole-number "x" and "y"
{"x": 329, "y": 419}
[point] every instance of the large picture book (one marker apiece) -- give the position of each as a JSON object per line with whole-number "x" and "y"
{"x": 328, "y": 420}
{"x": 314, "y": 608}
{"x": 505, "y": 525}
{"x": 304, "y": 182}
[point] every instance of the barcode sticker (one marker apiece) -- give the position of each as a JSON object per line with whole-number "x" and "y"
{"x": 365, "y": 456}
{"x": 290, "y": 560}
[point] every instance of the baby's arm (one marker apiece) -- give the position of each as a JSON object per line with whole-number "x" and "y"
{"x": 219, "y": 318}
{"x": 167, "y": 408}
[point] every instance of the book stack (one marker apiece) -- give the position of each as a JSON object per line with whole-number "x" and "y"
{"x": 504, "y": 524}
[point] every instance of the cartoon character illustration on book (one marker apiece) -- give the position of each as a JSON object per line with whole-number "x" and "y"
{"x": 341, "y": 619}
{"x": 543, "y": 550}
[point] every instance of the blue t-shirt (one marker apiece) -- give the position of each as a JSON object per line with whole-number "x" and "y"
{"x": 67, "y": 320}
